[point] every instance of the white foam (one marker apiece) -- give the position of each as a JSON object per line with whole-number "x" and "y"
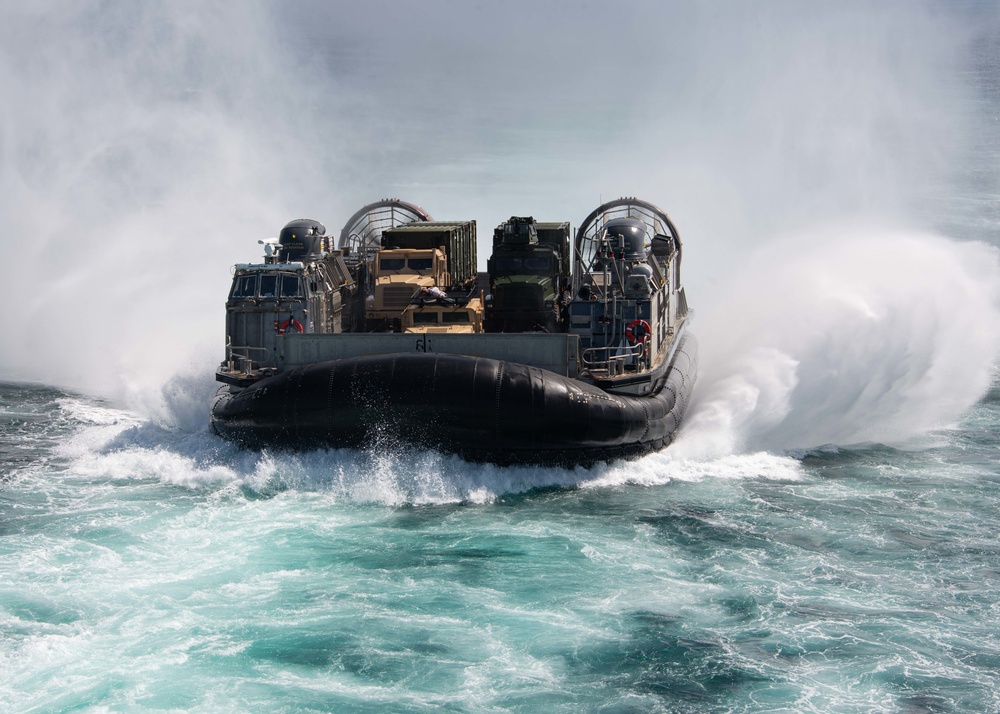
{"x": 664, "y": 467}
{"x": 132, "y": 449}
{"x": 841, "y": 336}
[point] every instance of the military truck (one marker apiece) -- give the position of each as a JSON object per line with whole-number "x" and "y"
{"x": 301, "y": 287}
{"x": 529, "y": 275}
{"x": 454, "y": 316}
{"x": 417, "y": 255}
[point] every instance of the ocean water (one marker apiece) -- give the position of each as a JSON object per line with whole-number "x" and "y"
{"x": 821, "y": 537}
{"x": 147, "y": 569}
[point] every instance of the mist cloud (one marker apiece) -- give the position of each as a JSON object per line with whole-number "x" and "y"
{"x": 145, "y": 148}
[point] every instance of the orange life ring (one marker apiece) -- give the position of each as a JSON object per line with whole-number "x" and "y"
{"x": 290, "y": 322}
{"x": 642, "y": 335}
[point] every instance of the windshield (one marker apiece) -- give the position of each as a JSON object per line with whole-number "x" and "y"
{"x": 508, "y": 265}
{"x": 291, "y": 286}
{"x": 391, "y": 263}
{"x": 268, "y": 285}
{"x": 538, "y": 265}
{"x": 244, "y": 286}
{"x": 531, "y": 265}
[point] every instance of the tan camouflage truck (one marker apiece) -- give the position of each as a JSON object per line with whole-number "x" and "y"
{"x": 419, "y": 255}
{"x": 462, "y": 317}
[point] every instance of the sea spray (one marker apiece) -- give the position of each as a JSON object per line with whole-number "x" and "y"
{"x": 845, "y": 335}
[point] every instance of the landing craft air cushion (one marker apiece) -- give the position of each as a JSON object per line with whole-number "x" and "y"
{"x": 551, "y": 367}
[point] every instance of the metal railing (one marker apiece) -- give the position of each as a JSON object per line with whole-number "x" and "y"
{"x": 614, "y": 360}
{"x": 241, "y": 354}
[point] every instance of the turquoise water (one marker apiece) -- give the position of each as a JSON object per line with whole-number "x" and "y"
{"x": 143, "y": 569}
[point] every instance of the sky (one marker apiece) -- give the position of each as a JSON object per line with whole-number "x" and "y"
{"x": 146, "y": 147}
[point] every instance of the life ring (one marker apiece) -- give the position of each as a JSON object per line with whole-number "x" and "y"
{"x": 638, "y": 331}
{"x": 290, "y": 322}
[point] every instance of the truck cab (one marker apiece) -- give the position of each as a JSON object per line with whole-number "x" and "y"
{"x": 529, "y": 277}
{"x": 398, "y": 274}
{"x": 417, "y": 255}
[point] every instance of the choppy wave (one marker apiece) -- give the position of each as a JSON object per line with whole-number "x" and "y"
{"x": 158, "y": 567}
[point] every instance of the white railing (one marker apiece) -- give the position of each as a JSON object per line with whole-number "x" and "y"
{"x": 614, "y": 360}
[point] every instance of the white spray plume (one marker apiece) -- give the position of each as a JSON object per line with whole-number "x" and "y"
{"x": 844, "y": 336}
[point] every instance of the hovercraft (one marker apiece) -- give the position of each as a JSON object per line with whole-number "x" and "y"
{"x": 564, "y": 352}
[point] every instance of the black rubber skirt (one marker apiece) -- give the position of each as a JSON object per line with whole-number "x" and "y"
{"x": 482, "y": 409}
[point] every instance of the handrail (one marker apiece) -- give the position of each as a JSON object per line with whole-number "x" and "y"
{"x": 613, "y": 358}
{"x": 247, "y": 363}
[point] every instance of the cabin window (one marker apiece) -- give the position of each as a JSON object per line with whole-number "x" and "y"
{"x": 245, "y": 286}
{"x": 291, "y": 286}
{"x": 391, "y": 263}
{"x": 268, "y": 285}
{"x": 425, "y": 318}
{"x": 420, "y": 263}
{"x": 453, "y": 317}
{"x": 538, "y": 265}
{"x": 508, "y": 265}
